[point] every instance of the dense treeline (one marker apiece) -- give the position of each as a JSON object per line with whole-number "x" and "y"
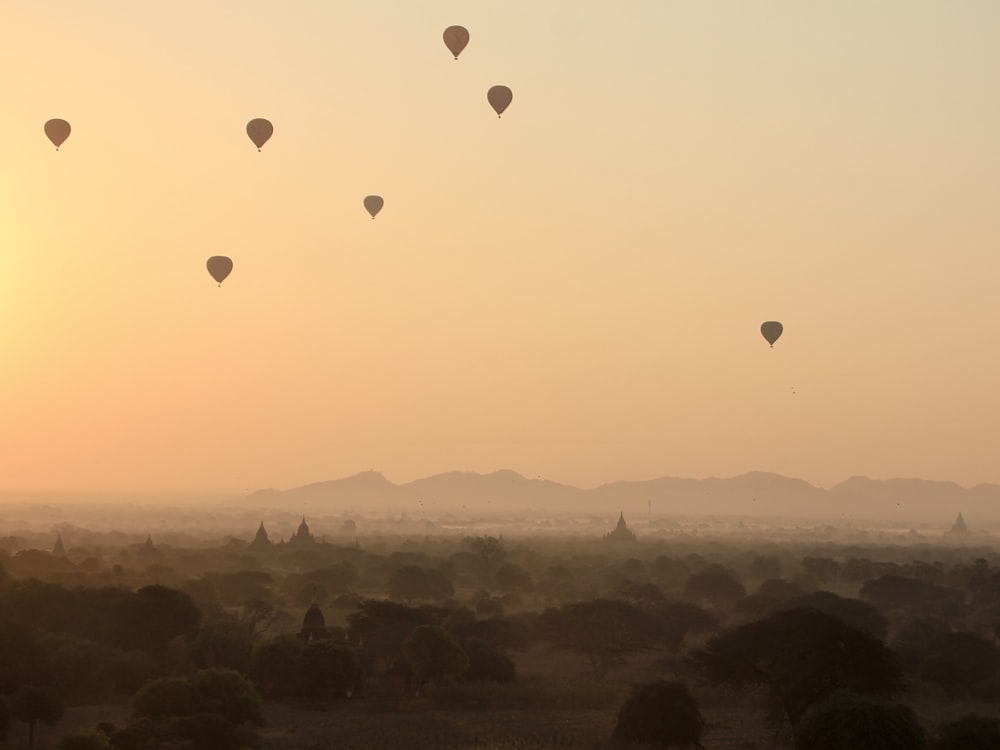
{"x": 822, "y": 636}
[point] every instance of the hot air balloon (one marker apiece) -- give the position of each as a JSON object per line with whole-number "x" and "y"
{"x": 57, "y": 131}
{"x": 219, "y": 266}
{"x": 260, "y": 131}
{"x": 455, "y": 39}
{"x": 771, "y": 330}
{"x": 499, "y": 98}
{"x": 373, "y": 204}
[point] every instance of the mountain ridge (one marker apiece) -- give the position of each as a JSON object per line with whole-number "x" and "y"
{"x": 755, "y": 493}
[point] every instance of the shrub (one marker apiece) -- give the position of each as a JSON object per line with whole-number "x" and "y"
{"x": 663, "y": 714}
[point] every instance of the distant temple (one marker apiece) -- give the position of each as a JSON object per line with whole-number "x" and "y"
{"x": 959, "y": 526}
{"x": 621, "y": 532}
{"x": 261, "y": 540}
{"x": 313, "y": 624}
{"x": 302, "y": 536}
{"x": 58, "y": 550}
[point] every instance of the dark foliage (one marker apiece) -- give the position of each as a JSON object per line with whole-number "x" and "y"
{"x": 606, "y": 631}
{"x": 663, "y": 714}
{"x": 34, "y": 703}
{"x": 971, "y": 732}
{"x": 853, "y": 612}
{"x": 195, "y": 732}
{"x": 802, "y": 656}
{"x": 153, "y": 616}
{"x": 487, "y": 662}
{"x": 209, "y": 691}
{"x": 715, "y": 585}
{"x": 858, "y": 722}
{"x": 961, "y": 660}
{"x": 896, "y": 592}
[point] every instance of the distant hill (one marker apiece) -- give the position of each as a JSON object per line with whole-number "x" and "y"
{"x": 754, "y": 494}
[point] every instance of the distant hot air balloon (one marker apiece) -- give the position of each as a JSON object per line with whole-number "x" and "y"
{"x": 219, "y": 266}
{"x": 455, "y": 39}
{"x": 57, "y": 131}
{"x": 499, "y": 98}
{"x": 771, "y": 330}
{"x": 373, "y": 204}
{"x": 260, "y": 131}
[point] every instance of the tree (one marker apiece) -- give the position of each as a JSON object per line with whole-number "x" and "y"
{"x": 21, "y": 658}
{"x": 513, "y": 578}
{"x": 853, "y": 612}
{"x": 227, "y": 693}
{"x": 166, "y": 696}
{"x": 971, "y": 732}
{"x": 33, "y": 703}
{"x": 488, "y": 552}
{"x": 896, "y": 592}
{"x": 716, "y": 585}
{"x": 488, "y": 662}
{"x": 765, "y": 567}
{"x": 606, "y": 631}
{"x": 433, "y": 655}
{"x": 224, "y": 692}
{"x": 4, "y": 718}
{"x": 802, "y": 656}
{"x": 275, "y": 666}
{"x": 663, "y": 714}
{"x": 328, "y": 669}
{"x": 85, "y": 741}
{"x": 859, "y": 722}
{"x": 961, "y": 660}
{"x": 224, "y": 644}
{"x": 154, "y": 615}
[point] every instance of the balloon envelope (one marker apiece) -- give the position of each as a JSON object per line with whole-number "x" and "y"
{"x": 499, "y": 98}
{"x": 771, "y": 330}
{"x": 373, "y": 204}
{"x": 455, "y": 39}
{"x": 259, "y": 131}
{"x": 58, "y": 131}
{"x": 219, "y": 267}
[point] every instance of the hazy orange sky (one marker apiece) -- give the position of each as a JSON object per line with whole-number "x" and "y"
{"x": 572, "y": 291}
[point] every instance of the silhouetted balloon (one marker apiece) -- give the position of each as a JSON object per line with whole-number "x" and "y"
{"x": 499, "y": 98}
{"x": 373, "y": 204}
{"x": 58, "y": 131}
{"x": 219, "y": 266}
{"x": 259, "y": 131}
{"x": 771, "y": 330}
{"x": 455, "y": 39}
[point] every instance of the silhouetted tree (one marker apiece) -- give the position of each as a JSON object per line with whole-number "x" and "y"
{"x": 487, "y": 662}
{"x": 224, "y": 692}
{"x": 21, "y": 658}
{"x": 802, "y": 656}
{"x": 4, "y": 718}
{"x": 513, "y": 578}
{"x": 489, "y": 553}
{"x": 765, "y": 567}
{"x": 328, "y": 670}
{"x": 853, "y": 612}
{"x": 606, "y": 631}
{"x": 85, "y": 741}
{"x": 433, "y": 655}
{"x": 154, "y": 615}
{"x": 825, "y": 569}
{"x": 971, "y": 732}
{"x": 961, "y": 660}
{"x": 715, "y": 585}
{"x": 34, "y": 703}
{"x": 662, "y": 714}
{"x": 859, "y": 722}
{"x": 891, "y": 592}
